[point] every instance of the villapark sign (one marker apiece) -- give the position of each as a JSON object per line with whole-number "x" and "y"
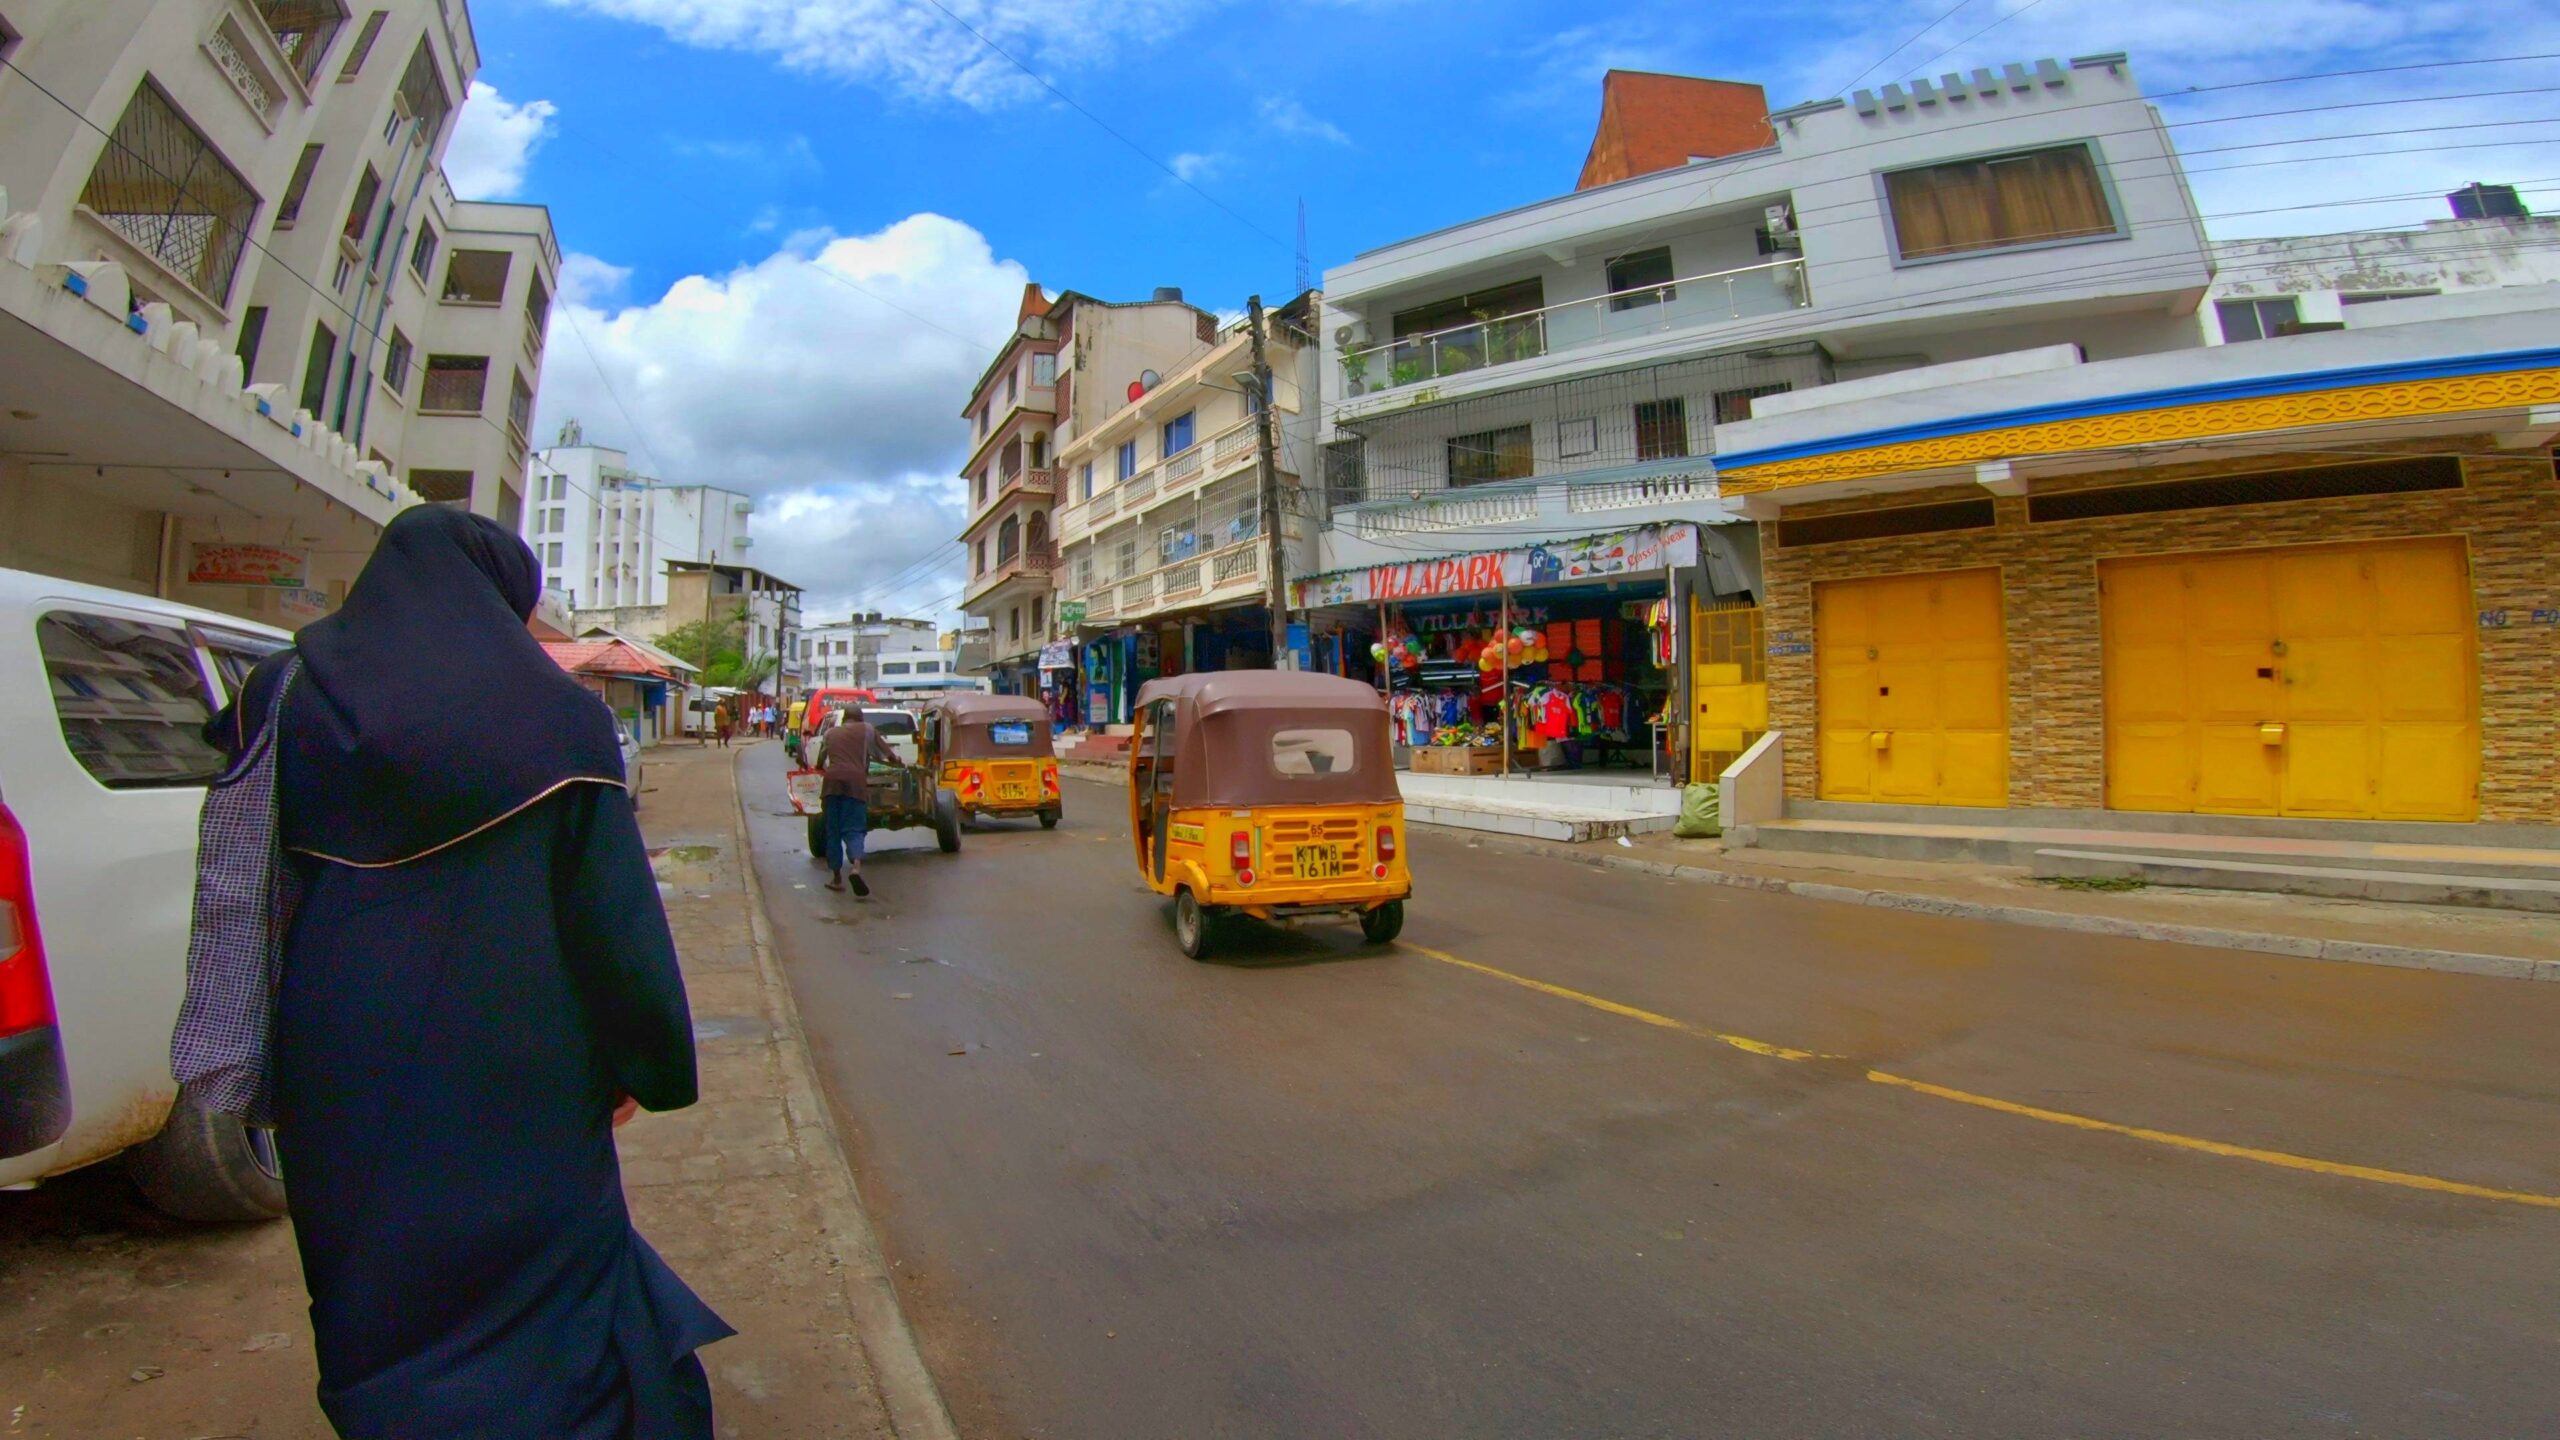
{"x": 1553, "y": 562}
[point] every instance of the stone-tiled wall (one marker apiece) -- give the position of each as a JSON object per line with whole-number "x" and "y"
{"x": 2508, "y": 512}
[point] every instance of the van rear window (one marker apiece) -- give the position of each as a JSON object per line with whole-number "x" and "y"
{"x": 131, "y": 700}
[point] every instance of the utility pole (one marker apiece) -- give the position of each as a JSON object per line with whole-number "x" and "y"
{"x": 1276, "y": 579}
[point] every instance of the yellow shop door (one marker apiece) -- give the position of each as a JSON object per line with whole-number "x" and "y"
{"x": 1912, "y": 681}
{"x": 2328, "y": 682}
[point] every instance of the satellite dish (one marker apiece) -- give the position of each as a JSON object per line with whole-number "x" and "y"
{"x": 1137, "y": 388}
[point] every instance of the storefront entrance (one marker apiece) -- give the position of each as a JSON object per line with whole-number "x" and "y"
{"x": 1911, "y": 689}
{"x": 2331, "y": 682}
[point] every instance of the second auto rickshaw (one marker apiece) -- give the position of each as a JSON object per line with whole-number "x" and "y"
{"x": 994, "y": 753}
{"x": 1270, "y": 794}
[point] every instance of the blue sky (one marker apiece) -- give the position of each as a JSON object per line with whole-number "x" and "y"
{"x": 799, "y": 226}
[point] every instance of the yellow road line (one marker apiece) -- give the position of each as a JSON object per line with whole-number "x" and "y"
{"x": 2281, "y": 1159}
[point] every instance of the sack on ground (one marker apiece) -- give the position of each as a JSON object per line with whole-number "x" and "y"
{"x": 1701, "y": 812}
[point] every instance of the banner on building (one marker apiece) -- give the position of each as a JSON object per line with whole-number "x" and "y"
{"x": 303, "y": 604}
{"x": 1070, "y": 612}
{"x": 264, "y": 567}
{"x": 1058, "y": 655}
{"x": 1592, "y": 557}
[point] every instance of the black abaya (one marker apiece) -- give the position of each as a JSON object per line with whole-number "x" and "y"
{"x": 480, "y": 969}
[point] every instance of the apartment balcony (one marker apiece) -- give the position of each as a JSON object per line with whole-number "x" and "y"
{"x": 1031, "y": 562}
{"x": 1036, "y": 485}
{"x": 1500, "y": 351}
{"x": 1230, "y": 574}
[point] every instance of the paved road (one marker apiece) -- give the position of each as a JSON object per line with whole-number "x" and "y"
{"x": 1323, "y": 1191}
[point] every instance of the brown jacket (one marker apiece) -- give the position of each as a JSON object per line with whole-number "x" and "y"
{"x": 845, "y": 753}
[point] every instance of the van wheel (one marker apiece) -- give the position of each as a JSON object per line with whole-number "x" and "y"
{"x": 1195, "y": 926}
{"x": 1382, "y": 924}
{"x": 1049, "y": 818}
{"x": 946, "y": 821}
{"x": 210, "y": 1167}
{"x": 817, "y": 837}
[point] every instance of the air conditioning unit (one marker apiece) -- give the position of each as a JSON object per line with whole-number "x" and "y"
{"x": 1777, "y": 233}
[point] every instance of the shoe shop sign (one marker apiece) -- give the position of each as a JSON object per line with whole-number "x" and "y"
{"x": 260, "y": 567}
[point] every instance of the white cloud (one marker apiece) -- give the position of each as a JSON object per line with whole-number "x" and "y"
{"x": 1194, "y": 166}
{"x": 795, "y": 381}
{"x": 1287, "y": 115}
{"x": 492, "y": 143}
{"x": 586, "y": 280}
{"x": 913, "y": 48}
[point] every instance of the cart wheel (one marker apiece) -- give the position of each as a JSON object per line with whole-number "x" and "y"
{"x": 1382, "y": 924}
{"x": 1049, "y": 818}
{"x": 1195, "y": 929}
{"x": 817, "y": 837}
{"x": 946, "y": 821}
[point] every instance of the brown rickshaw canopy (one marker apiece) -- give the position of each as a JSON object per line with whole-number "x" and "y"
{"x": 968, "y": 721}
{"x": 1276, "y": 737}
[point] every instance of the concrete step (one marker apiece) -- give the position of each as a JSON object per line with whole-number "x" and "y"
{"x": 1573, "y": 824}
{"x": 2011, "y": 844}
{"x": 2331, "y": 881}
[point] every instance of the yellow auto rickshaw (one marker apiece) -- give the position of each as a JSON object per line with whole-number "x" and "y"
{"x": 993, "y": 754}
{"x": 1270, "y": 794}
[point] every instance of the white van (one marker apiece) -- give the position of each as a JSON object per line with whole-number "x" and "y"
{"x": 102, "y": 777}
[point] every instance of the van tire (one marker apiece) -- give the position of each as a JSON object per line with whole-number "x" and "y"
{"x": 1382, "y": 924}
{"x": 1195, "y": 926}
{"x": 946, "y": 821}
{"x": 202, "y": 1166}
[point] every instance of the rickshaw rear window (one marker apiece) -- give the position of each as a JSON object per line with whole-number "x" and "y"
{"x": 1010, "y": 732}
{"x": 1313, "y": 752}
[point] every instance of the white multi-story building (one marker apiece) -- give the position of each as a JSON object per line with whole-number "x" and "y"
{"x": 248, "y": 302}
{"x": 2289, "y": 284}
{"x": 849, "y": 651}
{"x": 1069, "y": 362}
{"x": 921, "y": 674}
{"x": 605, "y": 534}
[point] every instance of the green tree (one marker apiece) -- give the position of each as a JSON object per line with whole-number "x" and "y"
{"x": 701, "y": 643}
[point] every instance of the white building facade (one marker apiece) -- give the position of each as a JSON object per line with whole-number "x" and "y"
{"x": 604, "y": 533}
{"x": 238, "y": 356}
{"x": 2264, "y": 289}
{"x": 850, "y": 651}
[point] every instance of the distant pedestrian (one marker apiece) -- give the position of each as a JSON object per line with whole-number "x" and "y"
{"x": 845, "y": 752}
{"x": 724, "y": 720}
{"x": 477, "y": 987}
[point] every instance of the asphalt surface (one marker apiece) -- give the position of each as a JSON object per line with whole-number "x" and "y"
{"x": 1323, "y": 1190}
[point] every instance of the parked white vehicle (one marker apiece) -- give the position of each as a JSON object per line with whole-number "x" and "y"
{"x": 102, "y": 779}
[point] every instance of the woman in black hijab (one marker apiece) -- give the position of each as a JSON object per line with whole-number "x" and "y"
{"x": 478, "y": 979}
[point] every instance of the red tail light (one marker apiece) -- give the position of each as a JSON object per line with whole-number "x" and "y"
{"x": 1240, "y": 855}
{"x": 1386, "y": 843}
{"x": 26, "y": 995}
{"x": 1049, "y": 782}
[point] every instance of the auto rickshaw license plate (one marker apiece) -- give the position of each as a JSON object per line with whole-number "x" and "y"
{"x": 1319, "y": 862}
{"x": 1014, "y": 791}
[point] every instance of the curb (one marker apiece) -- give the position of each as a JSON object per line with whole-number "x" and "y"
{"x": 907, "y": 1391}
{"x": 2300, "y": 947}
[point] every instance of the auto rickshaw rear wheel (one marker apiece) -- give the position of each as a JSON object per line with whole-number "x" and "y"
{"x": 1382, "y": 924}
{"x": 1195, "y": 926}
{"x": 817, "y": 837}
{"x": 1049, "y": 818}
{"x": 946, "y": 821}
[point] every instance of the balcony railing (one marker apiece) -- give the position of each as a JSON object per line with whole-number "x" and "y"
{"x": 1449, "y": 510}
{"x": 1526, "y": 335}
{"x": 1181, "y": 579}
{"x": 1637, "y": 494}
{"x": 1037, "y": 481}
{"x": 1037, "y": 559}
{"x": 1137, "y": 490}
{"x": 1182, "y": 468}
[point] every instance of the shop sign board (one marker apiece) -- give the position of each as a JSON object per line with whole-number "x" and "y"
{"x": 1070, "y": 612}
{"x": 303, "y": 604}
{"x": 1058, "y": 655}
{"x": 1593, "y": 557}
{"x": 262, "y": 567}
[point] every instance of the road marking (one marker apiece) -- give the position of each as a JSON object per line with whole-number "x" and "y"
{"x": 2281, "y": 1159}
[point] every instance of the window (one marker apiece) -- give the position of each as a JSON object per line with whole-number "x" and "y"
{"x": 2036, "y": 198}
{"x": 928, "y": 667}
{"x": 1044, "y": 369}
{"x": 894, "y": 667}
{"x": 510, "y": 507}
{"x": 981, "y": 567}
{"x": 1128, "y": 459}
{"x": 422, "y": 91}
{"x": 422, "y": 256}
{"x": 303, "y": 30}
{"x": 162, "y": 186}
{"x": 455, "y": 384}
{"x": 537, "y": 313}
{"x": 1662, "y": 429}
{"x": 1489, "y": 456}
{"x": 1465, "y": 332}
{"x": 1084, "y": 482}
{"x": 442, "y": 487}
{"x": 131, "y": 700}
{"x": 519, "y": 407}
{"x": 1576, "y": 438}
{"x": 315, "y": 368}
{"x": 371, "y": 32}
{"x": 476, "y": 277}
{"x": 2367, "y": 297}
{"x": 253, "y": 328}
{"x": 1643, "y": 278}
{"x": 1012, "y": 385}
{"x": 1013, "y": 623}
{"x": 1039, "y": 616}
{"x": 1008, "y": 538}
{"x": 395, "y": 365}
{"x": 1733, "y": 405}
{"x": 551, "y": 554}
{"x": 1177, "y": 434}
{"x": 1308, "y": 752}
{"x": 1084, "y": 570}
{"x": 289, "y": 209}
{"x": 360, "y": 214}
{"x": 2256, "y": 319}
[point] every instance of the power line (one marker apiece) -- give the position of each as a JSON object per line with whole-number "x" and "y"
{"x": 1976, "y": 35}
{"x": 1898, "y": 49}
{"x": 1072, "y": 103}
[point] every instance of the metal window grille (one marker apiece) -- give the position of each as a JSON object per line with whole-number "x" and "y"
{"x": 422, "y": 91}
{"x": 289, "y": 209}
{"x": 303, "y": 30}
{"x": 455, "y": 382}
{"x": 160, "y": 184}
{"x": 520, "y": 407}
{"x": 422, "y": 256}
{"x": 2326, "y": 482}
{"x": 1882, "y": 524}
{"x": 537, "y": 315}
{"x": 442, "y": 487}
{"x": 476, "y": 277}
{"x": 395, "y": 365}
{"x": 371, "y": 32}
